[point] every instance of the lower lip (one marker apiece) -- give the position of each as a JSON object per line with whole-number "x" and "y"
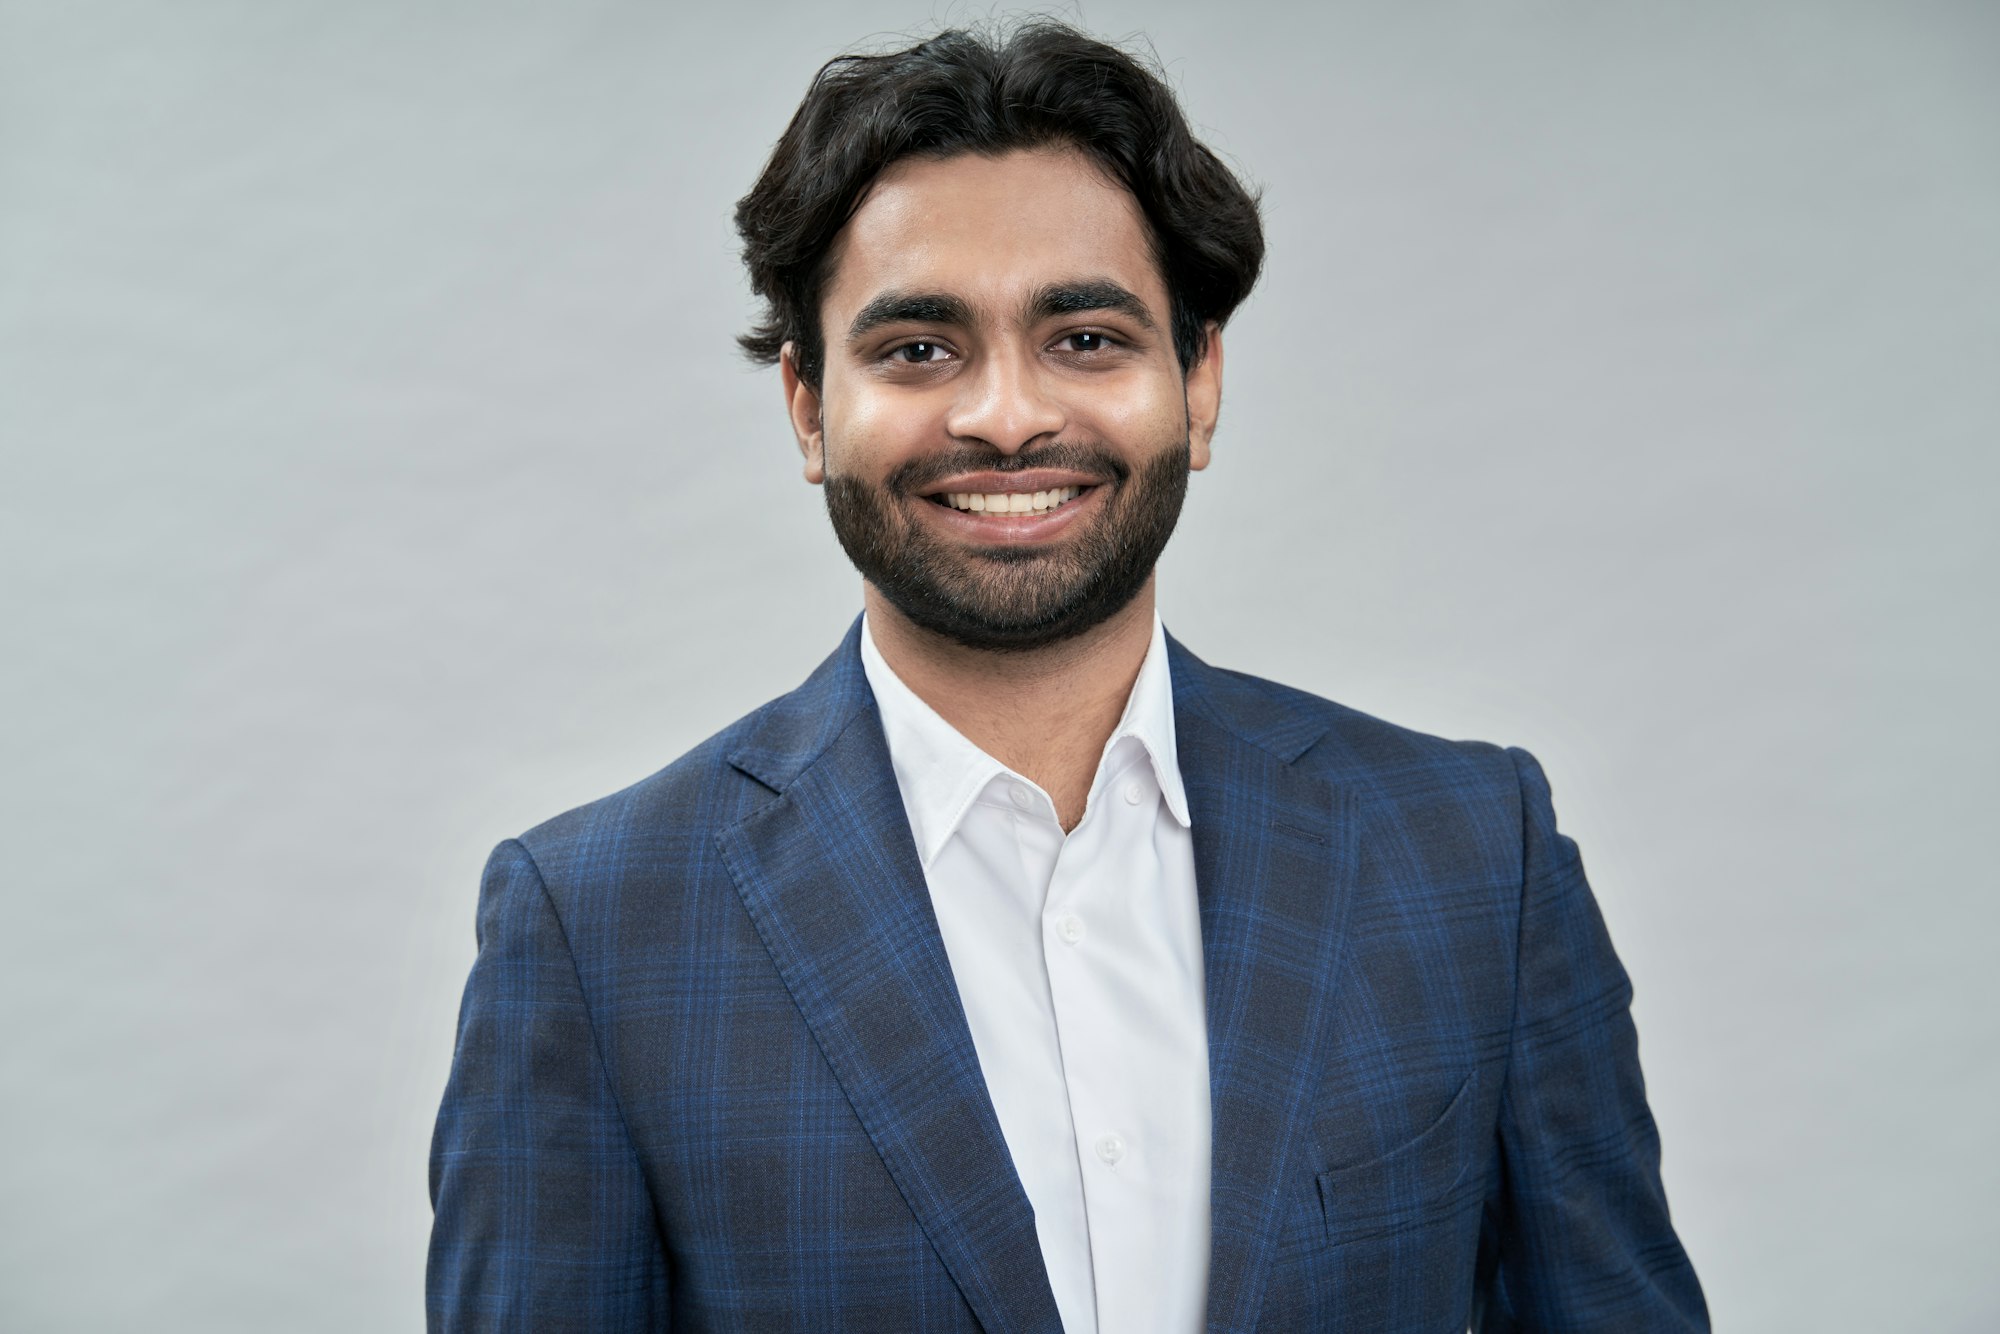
{"x": 1005, "y": 529}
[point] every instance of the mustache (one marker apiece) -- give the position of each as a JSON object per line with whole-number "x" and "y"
{"x": 913, "y": 476}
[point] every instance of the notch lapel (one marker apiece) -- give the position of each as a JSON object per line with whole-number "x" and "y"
{"x": 830, "y": 877}
{"x": 1274, "y": 851}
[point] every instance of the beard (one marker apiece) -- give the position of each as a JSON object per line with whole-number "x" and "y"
{"x": 1012, "y": 598}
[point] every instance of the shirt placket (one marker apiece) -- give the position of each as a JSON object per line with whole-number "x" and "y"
{"x": 1078, "y": 932}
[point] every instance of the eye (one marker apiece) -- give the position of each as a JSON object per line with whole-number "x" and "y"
{"x": 1088, "y": 340}
{"x": 919, "y": 353}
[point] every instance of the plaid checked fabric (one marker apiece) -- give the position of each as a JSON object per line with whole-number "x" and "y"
{"x": 712, "y": 1072}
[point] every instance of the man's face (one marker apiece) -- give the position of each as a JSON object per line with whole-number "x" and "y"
{"x": 1002, "y": 426}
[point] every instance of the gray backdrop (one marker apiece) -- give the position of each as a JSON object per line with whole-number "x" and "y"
{"x": 380, "y": 478}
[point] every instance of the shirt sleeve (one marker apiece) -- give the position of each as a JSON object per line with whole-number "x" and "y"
{"x": 1576, "y": 1234}
{"x": 541, "y": 1216}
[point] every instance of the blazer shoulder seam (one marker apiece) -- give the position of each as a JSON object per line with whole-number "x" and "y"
{"x": 1514, "y": 756}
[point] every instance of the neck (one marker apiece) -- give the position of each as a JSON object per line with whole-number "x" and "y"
{"x": 1044, "y": 713}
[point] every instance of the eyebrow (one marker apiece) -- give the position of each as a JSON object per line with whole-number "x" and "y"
{"x": 1079, "y": 298}
{"x": 1051, "y": 299}
{"x": 909, "y": 308}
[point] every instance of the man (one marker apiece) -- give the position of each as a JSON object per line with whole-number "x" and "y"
{"x": 1020, "y": 971}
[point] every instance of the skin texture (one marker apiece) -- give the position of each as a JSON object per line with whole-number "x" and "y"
{"x": 951, "y": 394}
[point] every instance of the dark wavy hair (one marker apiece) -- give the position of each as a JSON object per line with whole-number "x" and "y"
{"x": 1040, "y": 85}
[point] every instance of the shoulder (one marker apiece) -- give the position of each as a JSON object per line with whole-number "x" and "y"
{"x": 1436, "y": 818}
{"x": 696, "y": 792}
{"x": 1436, "y": 809}
{"x": 670, "y": 818}
{"x": 1342, "y": 743}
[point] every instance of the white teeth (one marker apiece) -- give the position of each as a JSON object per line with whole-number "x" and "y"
{"x": 1012, "y": 502}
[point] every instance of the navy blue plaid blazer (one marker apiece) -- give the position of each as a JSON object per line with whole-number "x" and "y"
{"x": 712, "y": 1072}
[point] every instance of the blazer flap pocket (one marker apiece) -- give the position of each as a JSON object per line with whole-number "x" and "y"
{"x": 1411, "y": 1181}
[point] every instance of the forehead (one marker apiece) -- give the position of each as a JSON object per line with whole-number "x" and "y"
{"x": 991, "y": 230}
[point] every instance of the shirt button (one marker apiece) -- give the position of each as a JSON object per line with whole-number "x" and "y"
{"x": 1020, "y": 796}
{"x": 1070, "y": 927}
{"x": 1110, "y": 1148}
{"x": 1134, "y": 793}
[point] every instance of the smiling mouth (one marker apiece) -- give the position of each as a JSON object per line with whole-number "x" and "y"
{"x": 1009, "y": 502}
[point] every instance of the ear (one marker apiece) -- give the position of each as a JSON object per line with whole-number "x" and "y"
{"x": 1204, "y": 398}
{"x": 803, "y": 406}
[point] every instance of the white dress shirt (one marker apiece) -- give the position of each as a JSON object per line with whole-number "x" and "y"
{"x": 1078, "y": 961}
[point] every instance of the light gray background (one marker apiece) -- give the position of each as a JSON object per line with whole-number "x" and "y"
{"x": 380, "y": 478}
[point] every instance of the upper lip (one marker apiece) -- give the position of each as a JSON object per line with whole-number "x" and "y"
{"x": 1007, "y": 483}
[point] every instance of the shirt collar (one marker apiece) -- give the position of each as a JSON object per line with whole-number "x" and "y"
{"x": 941, "y": 773}
{"x": 1149, "y": 720}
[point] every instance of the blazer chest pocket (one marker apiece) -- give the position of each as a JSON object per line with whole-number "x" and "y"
{"x": 1428, "y": 1177}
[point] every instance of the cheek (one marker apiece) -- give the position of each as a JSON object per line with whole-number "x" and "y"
{"x": 1145, "y": 415}
{"x": 868, "y": 434}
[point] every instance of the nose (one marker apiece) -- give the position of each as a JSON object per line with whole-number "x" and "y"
{"x": 1006, "y": 402}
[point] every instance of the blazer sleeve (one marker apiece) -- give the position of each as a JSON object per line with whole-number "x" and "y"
{"x": 541, "y": 1216}
{"x": 1575, "y": 1235}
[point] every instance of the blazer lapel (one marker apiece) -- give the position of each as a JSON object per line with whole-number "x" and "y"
{"x": 831, "y": 879}
{"x": 1274, "y": 863}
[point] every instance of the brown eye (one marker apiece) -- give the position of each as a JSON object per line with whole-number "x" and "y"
{"x": 1088, "y": 342}
{"x": 918, "y": 353}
